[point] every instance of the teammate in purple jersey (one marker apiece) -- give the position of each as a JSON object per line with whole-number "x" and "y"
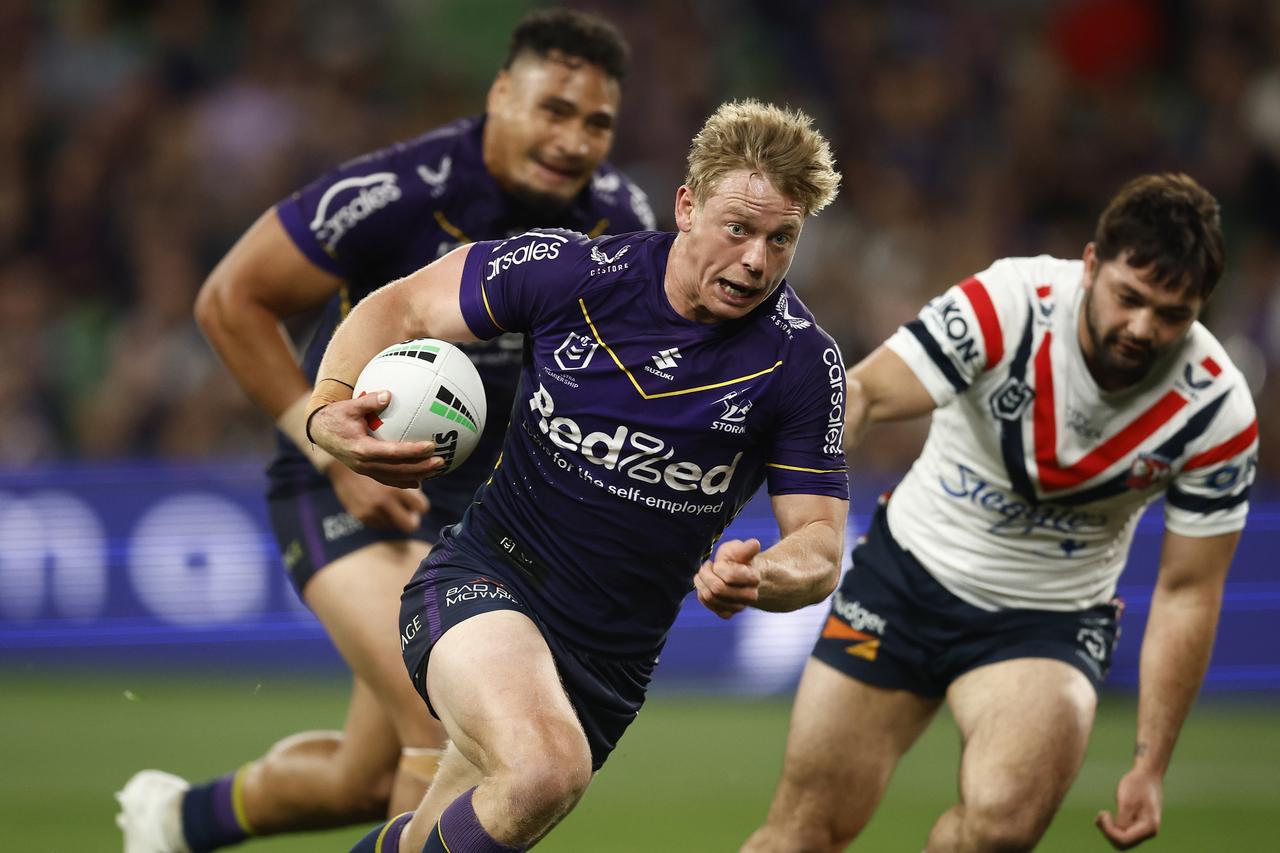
{"x": 667, "y": 377}
{"x": 349, "y": 542}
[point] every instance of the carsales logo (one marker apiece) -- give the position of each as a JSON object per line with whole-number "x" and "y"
{"x": 833, "y": 438}
{"x": 636, "y": 454}
{"x": 375, "y": 192}
{"x": 547, "y": 249}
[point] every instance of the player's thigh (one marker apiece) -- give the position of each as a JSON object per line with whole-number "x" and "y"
{"x": 494, "y": 684}
{"x": 1025, "y": 724}
{"x": 846, "y": 738}
{"x": 357, "y": 599}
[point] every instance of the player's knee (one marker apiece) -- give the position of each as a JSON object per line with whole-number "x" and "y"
{"x": 550, "y": 772}
{"x": 1006, "y": 827}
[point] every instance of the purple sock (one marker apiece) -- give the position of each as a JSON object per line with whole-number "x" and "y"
{"x": 384, "y": 838}
{"x": 209, "y": 818}
{"x": 460, "y": 826}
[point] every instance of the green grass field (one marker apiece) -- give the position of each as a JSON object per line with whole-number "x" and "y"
{"x": 693, "y": 774}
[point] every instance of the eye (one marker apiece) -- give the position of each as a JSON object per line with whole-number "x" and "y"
{"x": 736, "y": 230}
{"x": 781, "y": 239}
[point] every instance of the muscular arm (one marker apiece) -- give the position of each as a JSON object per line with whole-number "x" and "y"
{"x": 801, "y": 569}
{"x": 881, "y": 388}
{"x": 261, "y": 281}
{"x": 1175, "y": 655}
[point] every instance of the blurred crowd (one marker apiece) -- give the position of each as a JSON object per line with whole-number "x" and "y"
{"x": 139, "y": 139}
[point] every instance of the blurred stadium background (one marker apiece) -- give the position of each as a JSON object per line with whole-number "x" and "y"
{"x": 144, "y": 620}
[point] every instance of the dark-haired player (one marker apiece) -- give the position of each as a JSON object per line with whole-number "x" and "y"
{"x": 1066, "y": 397}
{"x": 533, "y": 628}
{"x": 535, "y": 158}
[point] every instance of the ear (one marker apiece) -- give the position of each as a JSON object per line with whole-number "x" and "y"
{"x": 1090, "y": 264}
{"x": 685, "y": 206}
{"x": 498, "y": 91}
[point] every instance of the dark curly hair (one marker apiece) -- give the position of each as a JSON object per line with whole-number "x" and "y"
{"x": 1167, "y": 222}
{"x": 572, "y": 33}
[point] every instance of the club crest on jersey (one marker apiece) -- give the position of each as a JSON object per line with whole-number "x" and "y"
{"x": 576, "y": 351}
{"x": 1011, "y": 399}
{"x": 784, "y": 320}
{"x": 1147, "y": 470}
{"x": 735, "y": 411}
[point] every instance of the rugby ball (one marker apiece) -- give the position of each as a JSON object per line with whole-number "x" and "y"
{"x": 436, "y": 395}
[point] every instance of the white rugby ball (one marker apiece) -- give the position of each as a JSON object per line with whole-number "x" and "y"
{"x": 436, "y": 395}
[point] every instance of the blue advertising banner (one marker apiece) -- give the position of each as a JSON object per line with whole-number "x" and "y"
{"x": 157, "y": 565}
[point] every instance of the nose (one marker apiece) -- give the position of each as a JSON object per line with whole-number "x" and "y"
{"x": 754, "y": 255}
{"x": 1142, "y": 324}
{"x": 573, "y": 140}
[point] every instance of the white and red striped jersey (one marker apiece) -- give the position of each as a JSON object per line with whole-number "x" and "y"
{"x": 1032, "y": 480}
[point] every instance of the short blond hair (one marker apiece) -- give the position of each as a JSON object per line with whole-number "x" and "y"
{"x": 779, "y": 143}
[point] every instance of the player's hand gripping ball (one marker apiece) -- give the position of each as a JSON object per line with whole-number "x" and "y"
{"x": 436, "y": 395}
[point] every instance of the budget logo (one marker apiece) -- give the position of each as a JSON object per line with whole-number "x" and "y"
{"x": 850, "y": 621}
{"x": 576, "y": 351}
{"x": 373, "y": 192}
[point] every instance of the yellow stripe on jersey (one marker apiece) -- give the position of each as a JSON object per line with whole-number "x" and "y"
{"x": 808, "y": 470}
{"x": 452, "y": 230}
{"x": 237, "y": 800}
{"x": 596, "y": 334}
{"x": 344, "y": 302}
{"x": 598, "y": 229}
{"x": 492, "y": 319}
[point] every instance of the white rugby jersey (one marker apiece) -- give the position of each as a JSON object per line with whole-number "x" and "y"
{"x": 1032, "y": 479}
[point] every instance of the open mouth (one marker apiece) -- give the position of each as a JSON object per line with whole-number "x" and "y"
{"x": 562, "y": 173}
{"x": 737, "y": 292}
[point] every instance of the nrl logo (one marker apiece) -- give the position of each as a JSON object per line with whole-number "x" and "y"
{"x": 796, "y": 323}
{"x": 603, "y": 259}
{"x": 438, "y": 178}
{"x": 575, "y": 353}
{"x": 1011, "y": 399}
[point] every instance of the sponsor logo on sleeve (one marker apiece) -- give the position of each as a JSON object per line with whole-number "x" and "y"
{"x": 956, "y": 327}
{"x": 783, "y": 319}
{"x": 543, "y": 247}
{"x": 833, "y": 438}
{"x": 349, "y": 202}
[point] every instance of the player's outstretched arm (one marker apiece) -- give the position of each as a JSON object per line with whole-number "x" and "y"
{"x": 801, "y": 569}
{"x": 881, "y": 388}
{"x": 1175, "y": 655}
{"x": 424, "y": 304}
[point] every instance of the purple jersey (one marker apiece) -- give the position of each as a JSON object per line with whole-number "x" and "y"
{"x": 637, "y": 434}
{"x": 384, "y": 215}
